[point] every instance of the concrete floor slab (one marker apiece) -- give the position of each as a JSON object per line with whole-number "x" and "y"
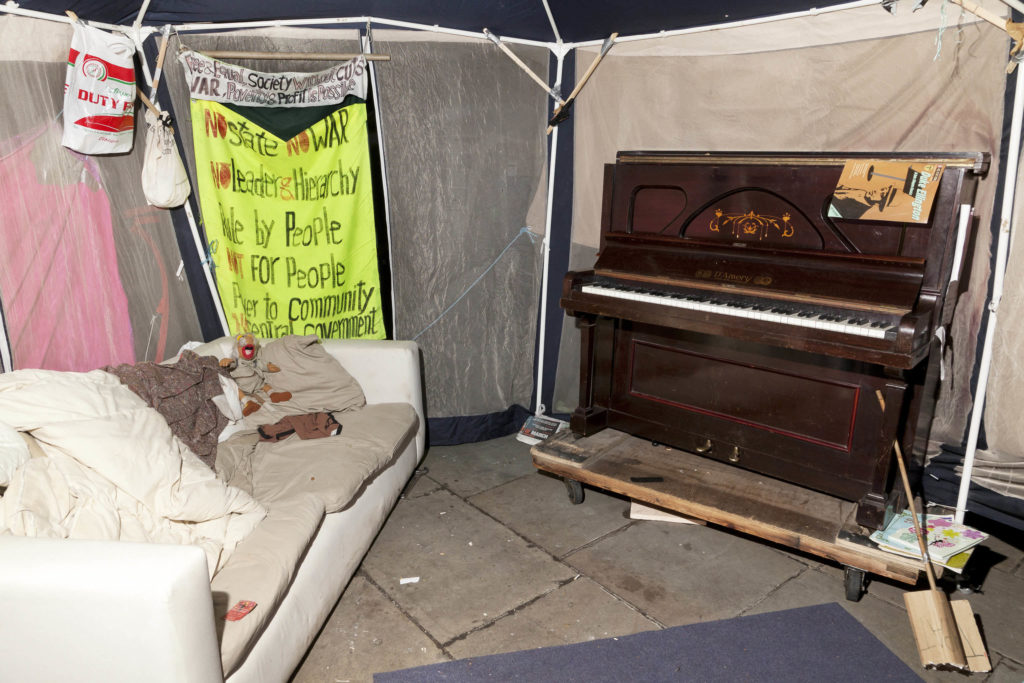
{"x": 470, "y": 569}
{"x": 537, "y": 507}
{"x": 505, "y": 562}
{"x": 366, "y": 633}
{"x": 682, "y": 574}
{"x": 470, "y": 468}
{"x": 1006, "y": 671}
{"x": 574, "y": 613}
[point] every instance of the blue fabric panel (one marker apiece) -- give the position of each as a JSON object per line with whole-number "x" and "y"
{"x": 812, "y": 644}
{"x": 449, "y": 431}
{"x": 941, "y": 484}
{"x": 576, "y": 19}
{"x": 202, "y": 297}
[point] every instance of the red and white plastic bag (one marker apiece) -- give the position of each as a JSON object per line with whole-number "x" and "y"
{"x": 99, "y": 92}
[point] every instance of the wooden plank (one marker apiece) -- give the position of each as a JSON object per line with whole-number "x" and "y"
{"x": 717, "y": 493}
{"x": 970, "y": 637}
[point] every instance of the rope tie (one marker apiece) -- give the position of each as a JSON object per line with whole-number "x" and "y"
{"x": 522, "y": 231}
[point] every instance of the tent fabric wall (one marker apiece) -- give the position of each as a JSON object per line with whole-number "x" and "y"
{"x": 462, "y": 129}
{"x": 88, "y": 269}
{"x": 463, "y": 132}
{"x": 1000, "y": 465}
{"x": 833, "y": 82}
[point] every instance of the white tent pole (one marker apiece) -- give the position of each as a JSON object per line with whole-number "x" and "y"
{"x": 540, "y": 408}
{"x": 214, "y": 292}
{"x": 551, "y": 20}
{"x": 1002, "y": 253}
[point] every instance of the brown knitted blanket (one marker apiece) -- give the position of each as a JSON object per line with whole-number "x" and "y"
{"x": 183, "y": 394}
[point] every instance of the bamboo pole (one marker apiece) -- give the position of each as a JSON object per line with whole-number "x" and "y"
{"x": 311, "y": 56}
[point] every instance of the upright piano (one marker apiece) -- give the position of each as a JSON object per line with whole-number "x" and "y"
{"x": 751, "y": 308}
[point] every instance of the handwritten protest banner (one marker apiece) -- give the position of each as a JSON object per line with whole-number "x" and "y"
{"x": 290, "y": 223}
{"x": 211, "y": 79}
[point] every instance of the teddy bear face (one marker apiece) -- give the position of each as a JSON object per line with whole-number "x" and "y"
{"x": 246, "y": 345}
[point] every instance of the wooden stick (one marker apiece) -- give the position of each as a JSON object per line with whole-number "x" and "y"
{"x": 312, "y": 56}
{"x": 583, "y": 81}
{"x": 146, "y": 101}
{"x": 910, "y": 501}
{"x": 159, "y": 64}
{"x": 1014, "y": 29}
{"x": 982, "y": 13}
{"x": 522, "y": 65}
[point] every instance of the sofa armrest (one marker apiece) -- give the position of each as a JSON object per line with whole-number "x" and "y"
{"x": 108, "y": 610}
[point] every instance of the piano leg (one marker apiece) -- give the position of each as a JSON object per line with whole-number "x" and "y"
{"x": 878, "y": 506}
{"x": 597, "y": 336}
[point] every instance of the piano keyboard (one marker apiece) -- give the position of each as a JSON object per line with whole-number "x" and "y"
{"x": 785, "y": 314}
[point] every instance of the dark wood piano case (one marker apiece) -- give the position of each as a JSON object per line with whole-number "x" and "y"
{"x": 743, "y": 378}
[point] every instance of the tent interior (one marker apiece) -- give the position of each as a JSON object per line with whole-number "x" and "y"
{"x": 485, "y": 210}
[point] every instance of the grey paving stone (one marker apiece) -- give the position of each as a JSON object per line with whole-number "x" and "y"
{"x": 365, "y": 634}
{"x": 470, "y": 569}
{"x": 537, "y": 507}
{"x": 574, "y": 613}
{"x": 1000, "y": 610}
{"x": 470, "y": 468}
{"x": 1006, "y": 671}
{"x": 682, "y": 574}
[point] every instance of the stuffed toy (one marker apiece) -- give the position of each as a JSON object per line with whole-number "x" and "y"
{"x": 249, "y": 372}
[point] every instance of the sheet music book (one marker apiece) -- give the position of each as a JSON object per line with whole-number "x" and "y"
{"x": 880, "y": 190}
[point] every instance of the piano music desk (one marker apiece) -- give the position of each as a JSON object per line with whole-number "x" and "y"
{"x": 722, "y": 494}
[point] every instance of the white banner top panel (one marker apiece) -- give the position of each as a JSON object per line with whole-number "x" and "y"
{"x": 211, "y": 79}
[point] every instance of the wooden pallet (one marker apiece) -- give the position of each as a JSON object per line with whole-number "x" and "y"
{"x": 721, "y": 494}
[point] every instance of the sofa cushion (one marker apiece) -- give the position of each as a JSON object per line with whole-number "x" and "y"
{"x": 333, "y": 468}
{"x": 261, "y": 569}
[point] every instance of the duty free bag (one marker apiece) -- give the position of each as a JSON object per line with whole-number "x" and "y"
{"x": 99, "y": 92}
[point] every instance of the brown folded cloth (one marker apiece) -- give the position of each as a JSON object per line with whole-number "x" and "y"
{"x": 307, "y": 426}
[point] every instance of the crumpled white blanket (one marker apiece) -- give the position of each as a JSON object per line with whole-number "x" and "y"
{"x": 113, "y": 470}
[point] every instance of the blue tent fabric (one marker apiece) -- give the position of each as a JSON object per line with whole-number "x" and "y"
{"x": 526, "y": 19}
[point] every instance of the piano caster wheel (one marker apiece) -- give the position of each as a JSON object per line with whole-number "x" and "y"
{"x": 574, "y": 489}
{"x": 854, "y": 581}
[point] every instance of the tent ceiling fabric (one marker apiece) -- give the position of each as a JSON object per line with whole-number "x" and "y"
{"x": 576, "y": 20}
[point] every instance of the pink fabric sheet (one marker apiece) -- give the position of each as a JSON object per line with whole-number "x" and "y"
{"x": 64, "y": 304}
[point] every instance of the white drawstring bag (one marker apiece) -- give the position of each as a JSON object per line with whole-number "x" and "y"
{"x": 164, "y": 180}
{"x": 99, "y": 92}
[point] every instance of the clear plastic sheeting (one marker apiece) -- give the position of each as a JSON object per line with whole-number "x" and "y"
{"x": 88, "y": 269}
{"x": 846, "y": 87}
{"x": 462, "y": 131}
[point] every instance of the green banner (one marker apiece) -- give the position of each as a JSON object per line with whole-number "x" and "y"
{"x": 290, "y": 223}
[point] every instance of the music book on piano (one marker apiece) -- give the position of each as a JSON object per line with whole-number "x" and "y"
{"x": 873, "y": 189}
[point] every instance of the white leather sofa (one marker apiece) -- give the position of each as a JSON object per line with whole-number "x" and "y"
{"x": 76, "y": 610}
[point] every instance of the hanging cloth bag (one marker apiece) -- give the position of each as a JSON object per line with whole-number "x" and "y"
{"x": 164, "y": 180}
{"x": 99, "y": 92}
